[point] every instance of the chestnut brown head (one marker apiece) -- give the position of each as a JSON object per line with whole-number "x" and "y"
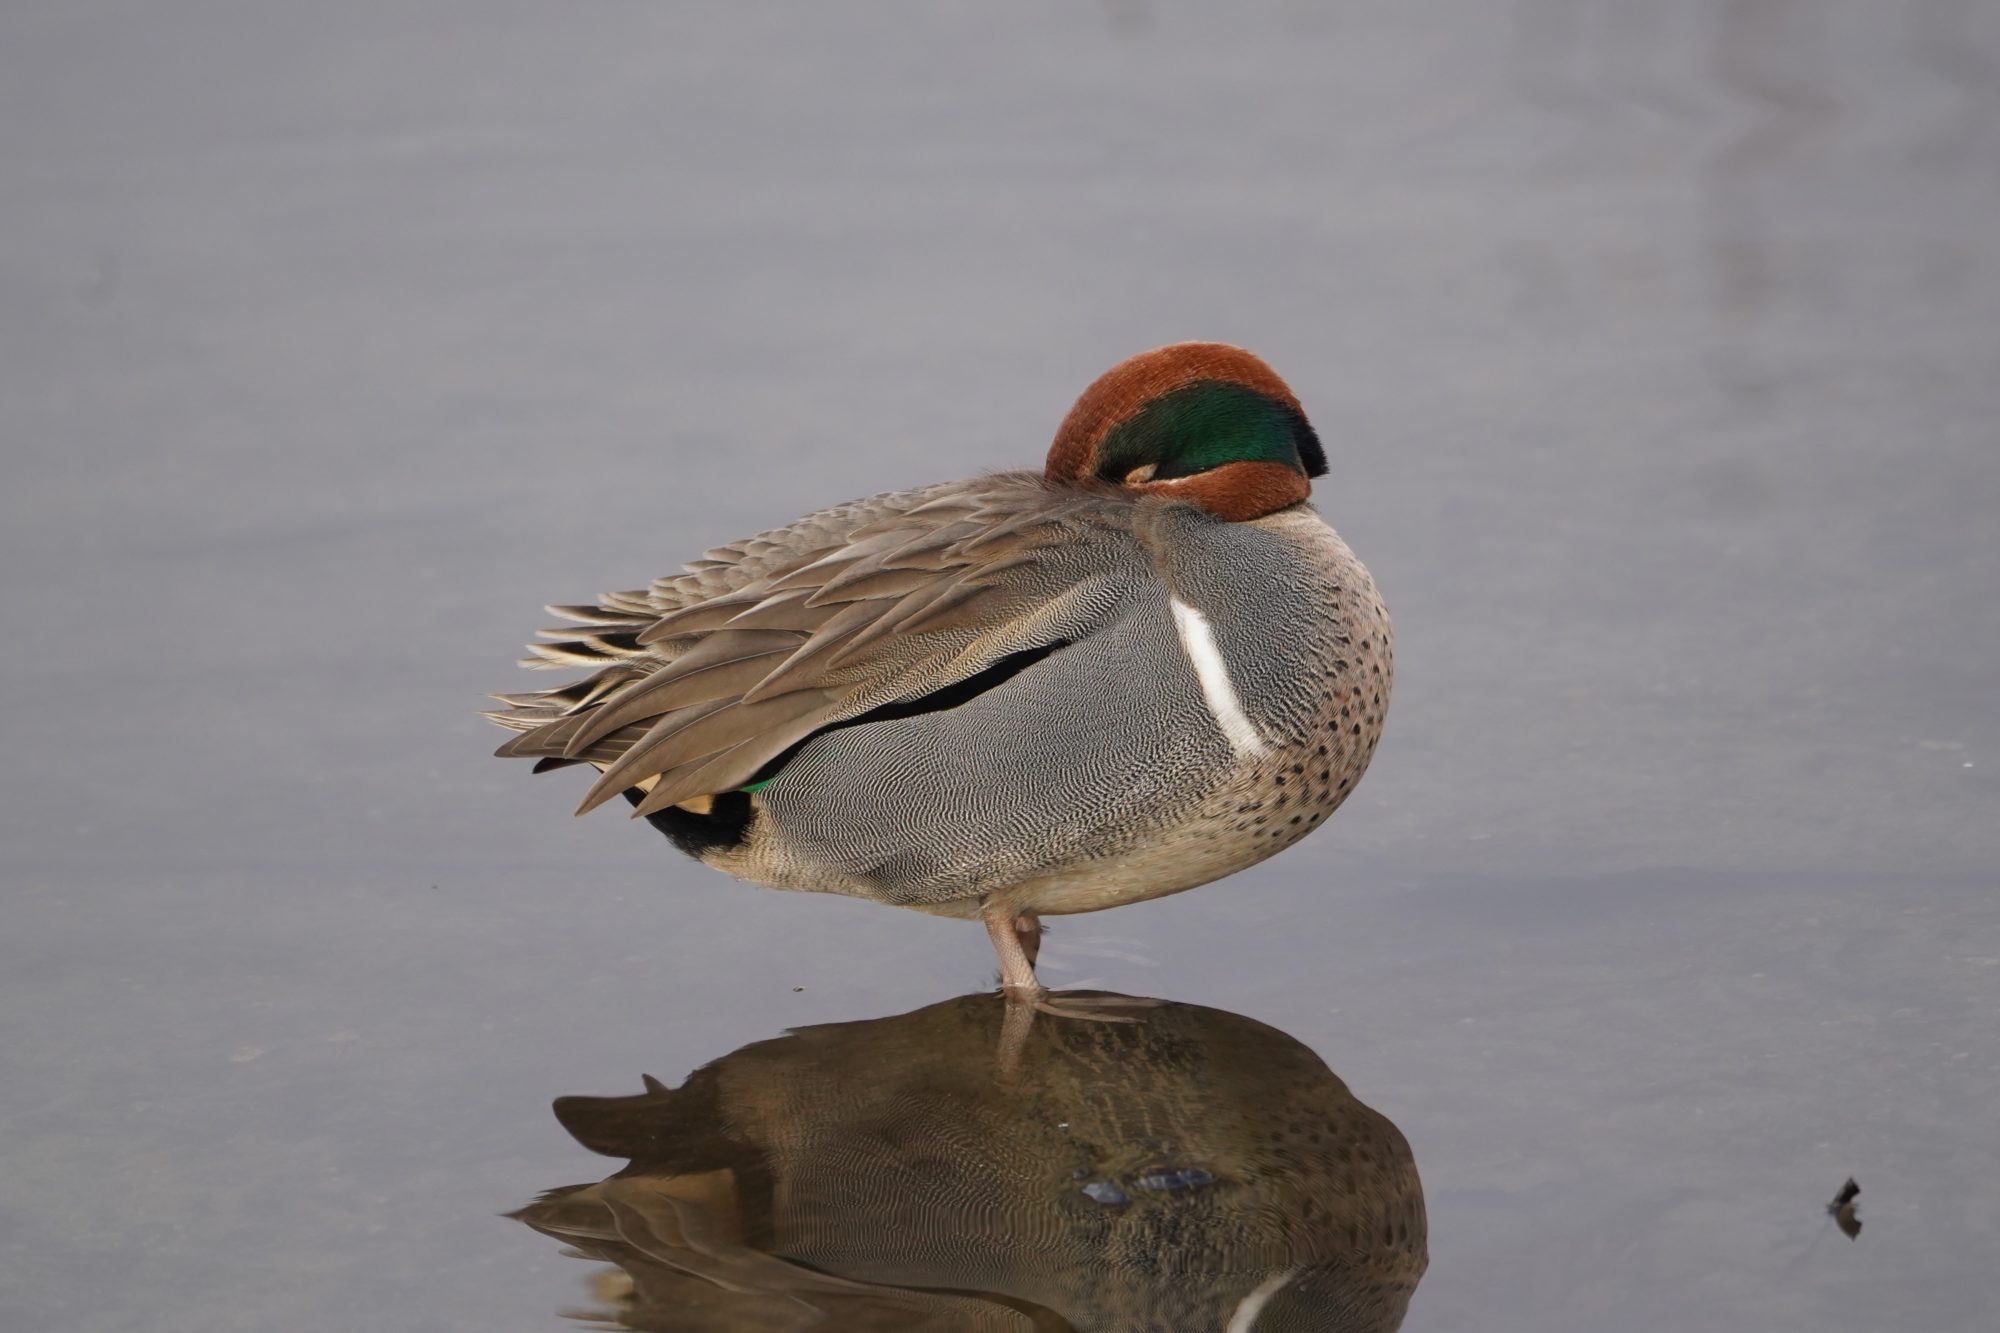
{"x": 1205, "y": 422}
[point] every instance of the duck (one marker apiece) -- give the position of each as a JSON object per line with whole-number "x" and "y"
{"x": 1199, "y": 1170}
{"x": 1140, "y": 669}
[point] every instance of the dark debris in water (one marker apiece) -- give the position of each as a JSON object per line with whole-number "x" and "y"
{"x": 1842, "y": 1210}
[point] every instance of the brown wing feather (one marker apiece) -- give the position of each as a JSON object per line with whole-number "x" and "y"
{"x": 763, "y": 642}
{"x": 719, "y": 666}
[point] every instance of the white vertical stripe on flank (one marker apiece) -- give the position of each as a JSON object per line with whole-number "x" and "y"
{"x": 1198, "y": 642}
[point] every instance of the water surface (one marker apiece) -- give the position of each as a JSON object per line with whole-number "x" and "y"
{"x": 1655, "y": 351}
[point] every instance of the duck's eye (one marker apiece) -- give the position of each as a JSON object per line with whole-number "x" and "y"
{"x": 1143, "y": 473}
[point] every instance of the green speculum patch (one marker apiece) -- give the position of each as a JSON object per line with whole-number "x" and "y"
{"x": 1206, "y": 424}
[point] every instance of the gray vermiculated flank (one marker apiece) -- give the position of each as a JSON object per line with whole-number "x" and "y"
{"x": 1073, "y": 756}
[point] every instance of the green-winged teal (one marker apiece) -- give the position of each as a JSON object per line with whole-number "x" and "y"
{"x": 1143, "y": 668}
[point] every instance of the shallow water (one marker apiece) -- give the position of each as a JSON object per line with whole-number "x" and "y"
{"x": 1657, "y": 350}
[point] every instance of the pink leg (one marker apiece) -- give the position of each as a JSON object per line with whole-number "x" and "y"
{"x": 1017, "y": 967}
{"x": 1016, "y": 940}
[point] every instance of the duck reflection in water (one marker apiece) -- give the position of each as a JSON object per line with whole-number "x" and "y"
{"x": 1196, "y": 1171}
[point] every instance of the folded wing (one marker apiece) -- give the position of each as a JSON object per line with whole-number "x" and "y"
{"x": 705, "y": 681}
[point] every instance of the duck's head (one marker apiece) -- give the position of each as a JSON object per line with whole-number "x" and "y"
{"x": 1203, "y": 422}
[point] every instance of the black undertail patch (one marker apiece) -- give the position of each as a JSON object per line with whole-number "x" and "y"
{"x": 725, "y": 825}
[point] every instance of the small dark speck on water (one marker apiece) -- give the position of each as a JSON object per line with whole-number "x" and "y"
{"x": 1842, "y": 1210}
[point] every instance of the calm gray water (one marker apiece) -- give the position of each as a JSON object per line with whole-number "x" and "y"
{"x": 1657, "y": 349}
